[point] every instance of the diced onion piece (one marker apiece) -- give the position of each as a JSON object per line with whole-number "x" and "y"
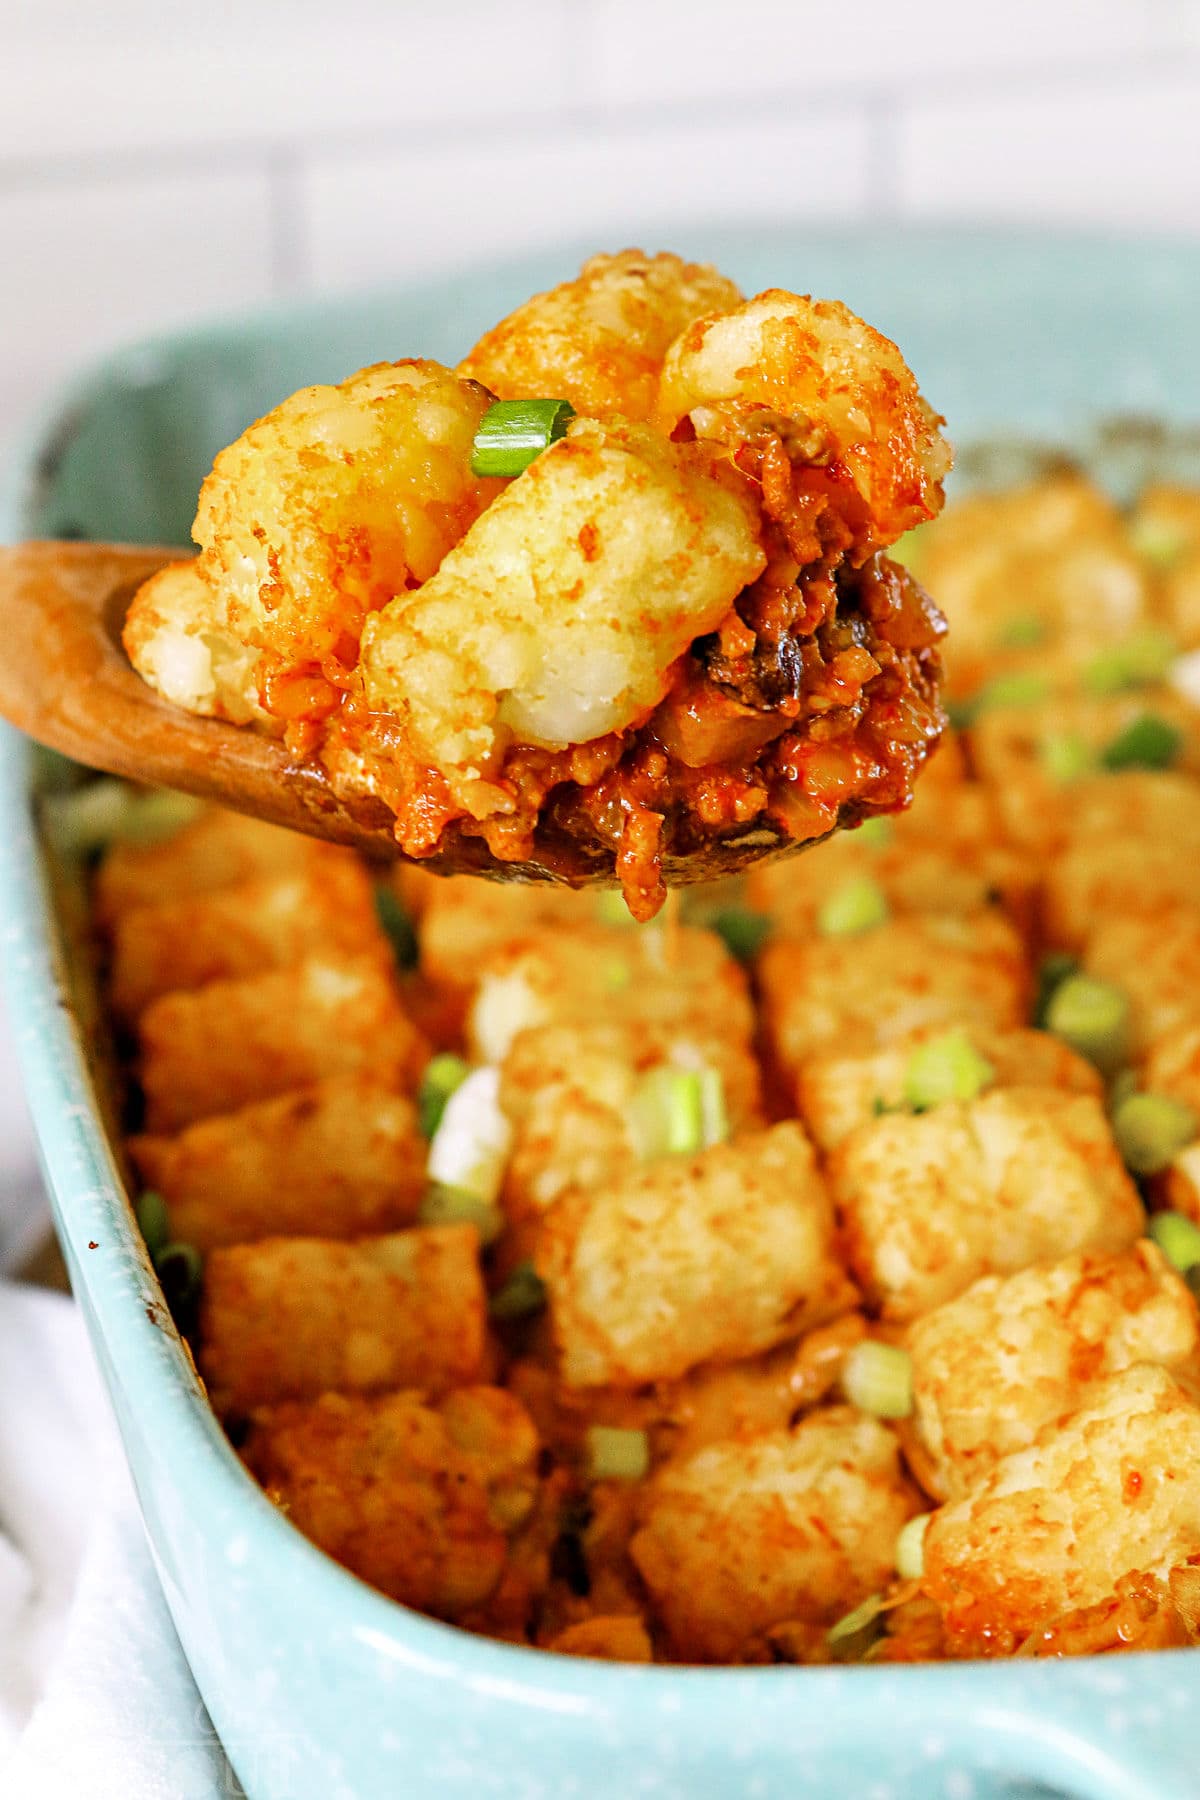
{"x": 910, "y": 1548}
{"x": 855, "y": 1632}
{"x": 471, "y": 1144}
{"x": 616, "y": 1454}
{"x": 513, "y": 433}
{"x": 396, "y": 925}
{"x": 441, "y": 1205}
{"x": 444, "y": 1075}
{"x": 522, "y": 1295}
{"x": 1138, "y": 661}
{"x": 1092, "y": 1017}
{"x": 877, "y": 1378}
{"x": 947, "y": 1068}
{"x": 1064, "y": 756}
{"x": 1150, "y": 1130}
{"x": 1178, "y": 1238}
{"x": 742, "y": 931}
{"x": 857, "y": 906}
{"x": 109, "y": 811}
{"x": 1147, "y": 742}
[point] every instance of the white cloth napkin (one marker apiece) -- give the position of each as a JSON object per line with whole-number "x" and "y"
{"x": 96, "y": 1699}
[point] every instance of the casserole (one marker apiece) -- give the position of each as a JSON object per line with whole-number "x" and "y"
{"x": 316, "y": 1684}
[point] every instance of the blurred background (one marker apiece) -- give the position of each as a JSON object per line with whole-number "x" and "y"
{"x": 161, "y": 163}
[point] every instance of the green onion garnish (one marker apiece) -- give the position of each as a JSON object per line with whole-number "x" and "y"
{"x": 1024, "y": 631}
{"x": 858, "y": 905}
{"x": 1024, "y": 688}
{"x": 1147, "y": 742}
{"x": 153, "y": 1222}
{"x": 616, "y": 975}
{"x": 946, "y": 1068}
{"x": 522, "y": 1295}
{"x": 512, "y": 433}
{"x": 1123, "y": 1084}
{"x": 676, "y": 1112}
{"x": 742, "y": 931}
{"x": 615, "y": 1454}
{"x": 1064, "y": 756}
{"x": 1178, "y": 1238}
{"x": 855, "y": 1632}
{"x": 180, "y": 1269}
{"x": 1150, "y": 1130}
{"x": 1157, "y": 543}
{"x": 396, "y": 924}
{"x": 611, "y": 908}
{"x": 108, "y": 811}
{"x": 1092, "y": 1017}
{"x": 876, "y": 833}
{"x": 1052, "y": 972}
{"x": 1139, "y": 661}
{"x": 445, "y": 1205}
{"x": 443, "y": 1076}
{"x": 877, "y": 1378}
{"x": 910, "y": 1548}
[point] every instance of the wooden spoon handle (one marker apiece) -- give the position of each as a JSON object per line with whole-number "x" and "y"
{"x": 66, "y": 681}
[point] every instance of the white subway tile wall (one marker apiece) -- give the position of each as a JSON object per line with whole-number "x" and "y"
{"x": 160, "y": 161}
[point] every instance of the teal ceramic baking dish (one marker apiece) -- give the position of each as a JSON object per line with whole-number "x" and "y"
{"x": 320, "y": 1688}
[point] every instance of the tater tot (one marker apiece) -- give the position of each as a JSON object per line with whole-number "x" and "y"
{"x": 835, "y": 1093}
{"x": 1154, "y": 958}
{"x": 178, "y": 636}
{"x": 791, "y": 1526}
{"x": 1132, "y": 846}
{"x": 234, "y": 1042}
{"x": 862, "y": 991}
{"x": 1012, "y": 1354}
{"x": 599, "y": 340}
{"x": 465, "y": 921}
{"x": 571, "y": 1095}
{"x": 981, "y": 1187}
{"x": 1107, "y": 1492}
{"x": 558, "y": 616}
{"x": 692, "y": 1258}
{"x": 215, "y": 850}
{"x": 599, "y": 975}
{"x": 420, "y": 1500}
{"x": 291, "y": 1318}
{"x": 337, "y": 1159}
{"x": 265, "y": 922}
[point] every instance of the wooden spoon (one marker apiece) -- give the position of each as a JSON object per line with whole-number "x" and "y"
{"x": 66, "y": 681}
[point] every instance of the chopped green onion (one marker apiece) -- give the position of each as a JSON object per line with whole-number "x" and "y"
{"x": 1150, "y": 1130}
{"x": 513, "y": 433}
{"x": 1053, "y": 970}
{"x": 855, "y": 1632}
{"x": 1021, "y": 688}
{"x": 1138, "y": 661}
{"x": 523, "y": 1295}
{"x": 858, "y": 905}
{"x": 714, "y": 1116}
{"x": 683, "y": 1111}
{"x": 1064, "y": 756}
{"x": 470, "y": 1147}
{"x": 877, "y": 1378}
{"x": 180, "y": 1269}
{"x": 743, "y": 932}
{"x": 396, "y": 925}
{"x": 947, "y": 1068}
{"x": 876, "y": 833}
{"x": 1156, "y": 542}
{"x": 616, "y": 975}
{"x": 616, "y": 1454}
{"x": 1178, "y": 1238}
{"x": 1192, "y": 1277}
{"x": 1147, "y": 742}
{"x": 1092, "y": 1017}
{"x": 108, "y": 811}
{"x": 1024, "y": 631}
{"x": 611, "y": 908}
{"x": 675, "y": 1112}
{"x": 443, "y": 1076}
{"x": 153, "y": 1221}
{"x": 910, "y": 1548}
{"x": 1123, "y": 1084}
{"x": 906, "y": 550}
{"x": 442, "y": 1205}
